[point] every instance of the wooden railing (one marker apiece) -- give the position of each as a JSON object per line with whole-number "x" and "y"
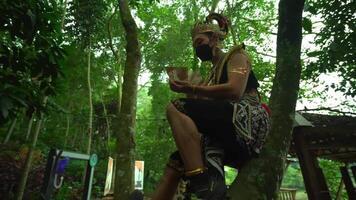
{"x": 287, "y": 194}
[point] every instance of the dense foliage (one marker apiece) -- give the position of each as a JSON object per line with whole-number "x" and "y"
{"x": 336, "y": 41}
{"x": 30, "y": 52}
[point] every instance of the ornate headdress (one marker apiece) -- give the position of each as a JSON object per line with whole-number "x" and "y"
{"x": 207, "y": 26}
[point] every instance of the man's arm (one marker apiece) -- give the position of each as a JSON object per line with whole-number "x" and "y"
{"x": 238, "y": 70}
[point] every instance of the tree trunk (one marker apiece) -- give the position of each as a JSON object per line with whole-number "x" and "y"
{"x": 117, "y": 58}
{"x": 90, "y": 120}
{"x": 125, "y": 124}
{"x": 11, "y": 130}
{"x": 260, "y": 178}
{"x": 90, "y": 125}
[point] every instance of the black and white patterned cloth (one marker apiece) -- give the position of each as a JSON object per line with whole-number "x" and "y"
{"x": 251, "y": 122}
{"x": 241, "y": 127}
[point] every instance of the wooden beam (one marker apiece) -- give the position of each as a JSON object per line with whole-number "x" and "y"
{"x": 343, "y": 154}
{"x": 314, "y": 179}
{"x": 328, "y": 131}
{"x": 341, "y": 157}
{"x": 341, "y": 160}
{"x": 353, "y": 169}
{"x": 333, "y": 144}
{"x": 350, "y": 189}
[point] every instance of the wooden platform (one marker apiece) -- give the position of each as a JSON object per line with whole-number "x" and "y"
{"x": 322, "y": 136}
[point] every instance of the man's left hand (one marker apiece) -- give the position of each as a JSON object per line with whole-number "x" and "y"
{"x": 180, "y": 86}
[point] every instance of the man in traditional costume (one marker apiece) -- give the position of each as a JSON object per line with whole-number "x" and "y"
{"x": 227, "y": 125}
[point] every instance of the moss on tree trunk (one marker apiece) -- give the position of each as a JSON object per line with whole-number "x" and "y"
{"x": 261, "y": 177}
{"x": 124, "y": 126}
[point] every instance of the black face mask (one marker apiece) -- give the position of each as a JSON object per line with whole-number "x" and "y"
{"x": 204, "y": 52}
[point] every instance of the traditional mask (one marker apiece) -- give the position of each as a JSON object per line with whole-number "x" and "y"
{"x": 204, "y": 52}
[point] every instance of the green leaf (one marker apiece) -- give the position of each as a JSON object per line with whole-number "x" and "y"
{"x": 307, "y": 24}
{"x": 311, "y": 8}
{"x": 20, "y": 101}
{"x": 314, "y": 53}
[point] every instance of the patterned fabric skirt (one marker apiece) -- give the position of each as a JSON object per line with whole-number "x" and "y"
{"x": 239, "y": 127}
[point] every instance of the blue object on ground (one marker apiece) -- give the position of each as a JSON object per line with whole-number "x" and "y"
{"x": 62, "y": 164}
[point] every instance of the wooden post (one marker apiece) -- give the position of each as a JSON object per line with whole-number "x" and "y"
{"x": 313, "y": 176}
{"x": 351, "y": 190}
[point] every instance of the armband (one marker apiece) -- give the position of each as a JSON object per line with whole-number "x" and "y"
{"x": 239, "y": 70}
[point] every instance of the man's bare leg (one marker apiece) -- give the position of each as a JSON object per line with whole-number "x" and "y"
{"x": 187, "y": 138}
{"x": 206, "y": 185}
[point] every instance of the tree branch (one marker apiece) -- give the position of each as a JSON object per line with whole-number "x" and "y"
{"x": 143, "y": 86}
{"x": 312, "y": 33}
{"x": 264, "y": 54}
{"x": 258, "y": 20}
{"x": 214, "y": 4}
{"x": 233, "y": 33}
{"x": 272, "y": 33}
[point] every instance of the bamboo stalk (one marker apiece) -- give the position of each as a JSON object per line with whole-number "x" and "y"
{"x": 11, "y": 130}
{"x": 28, "y": 162}
{"x": 90, "y": 126}
{"x": 29, "y": 128}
